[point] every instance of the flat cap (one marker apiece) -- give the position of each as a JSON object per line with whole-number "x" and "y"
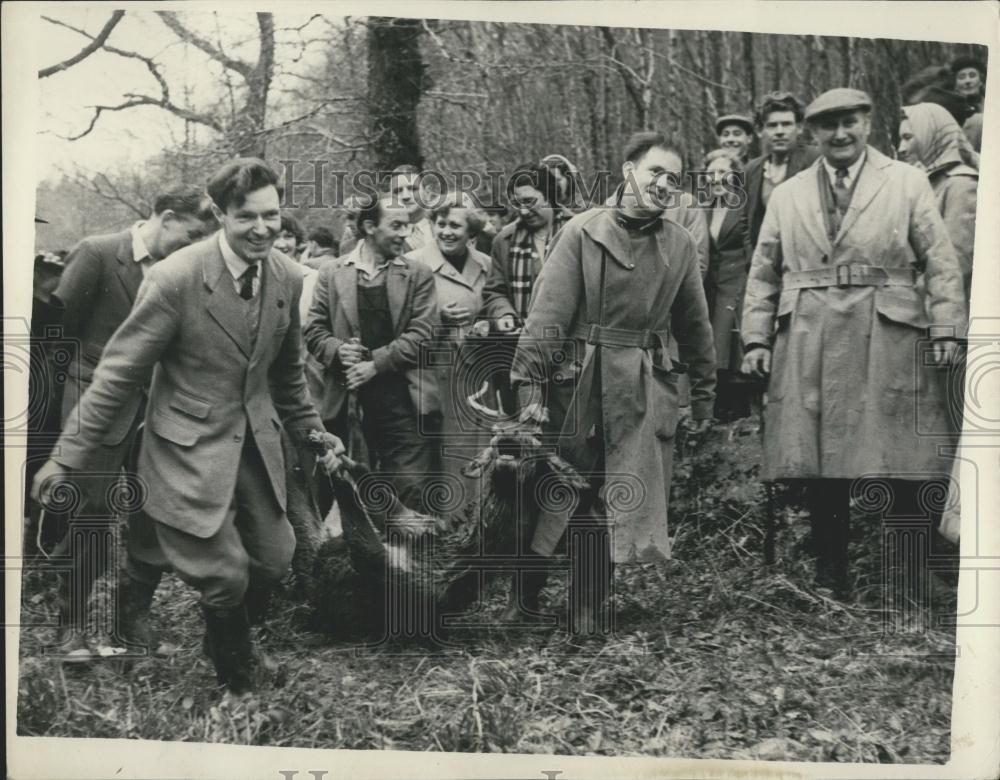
{"x": 734, "y": 119}
{"x": 839, "y": 99}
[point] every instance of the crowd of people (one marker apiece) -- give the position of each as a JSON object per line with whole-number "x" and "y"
{"x": 616, "y": 322}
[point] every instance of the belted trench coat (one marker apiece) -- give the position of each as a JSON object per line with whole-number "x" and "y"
{"x": 611, "y": 403}
{"x": 851, "y": 393}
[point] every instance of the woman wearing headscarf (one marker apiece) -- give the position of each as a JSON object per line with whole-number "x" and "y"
{"x": 931, "y": 139}
{"x": 725, "y": 282}
{"x": 568, "y": 185}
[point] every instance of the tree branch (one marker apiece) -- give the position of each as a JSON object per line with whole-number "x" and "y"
{"x": 96, "y": 43}
{"x": 170, "y": 19}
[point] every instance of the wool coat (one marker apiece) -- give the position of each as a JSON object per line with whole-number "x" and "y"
{"x": 211, "y": 384}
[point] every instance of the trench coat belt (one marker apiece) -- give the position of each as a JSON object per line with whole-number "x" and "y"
{"x": 847, "y": 275}
{"x": 606, "y": 336}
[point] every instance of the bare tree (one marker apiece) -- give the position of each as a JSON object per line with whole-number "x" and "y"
{"x": 96, "y": 42}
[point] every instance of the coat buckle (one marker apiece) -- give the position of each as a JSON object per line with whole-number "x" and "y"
{"x": 843, "y": 275}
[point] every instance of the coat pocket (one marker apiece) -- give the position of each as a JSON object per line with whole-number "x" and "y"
{"x": 173, "y": 430}
{"x": 189, "y": 405}
{"x": 905, "y": 309}
{"x": 665, "y": 400}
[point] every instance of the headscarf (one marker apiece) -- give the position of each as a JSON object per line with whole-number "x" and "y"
{"x": 938, "y": 140}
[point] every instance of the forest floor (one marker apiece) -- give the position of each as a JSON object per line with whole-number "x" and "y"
{"x": 714, "y": 656}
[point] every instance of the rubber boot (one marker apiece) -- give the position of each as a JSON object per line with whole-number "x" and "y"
{"x": 230, "y": 647}
{"x": 258, "y": 600}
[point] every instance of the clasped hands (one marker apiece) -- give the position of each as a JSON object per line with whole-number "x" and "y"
{"x": 357, "y": 363}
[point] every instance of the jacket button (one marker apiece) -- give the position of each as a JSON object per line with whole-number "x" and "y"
{"x": 237, "y": 437}
{"x": 631, "y": 266}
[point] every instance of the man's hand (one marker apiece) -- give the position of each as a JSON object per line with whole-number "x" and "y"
{"x": 453, "y": 314}
{"x": 350, "y": 353}
{"x": 506, "y": 323}
{"x": 481, "y": 328}
{"x": 945, "y": 351}
{"x": 46, "y": 478}
{"x": 360, "y": 373}
{"x": 330, "y": 459}
{"x": 757, "y": 362}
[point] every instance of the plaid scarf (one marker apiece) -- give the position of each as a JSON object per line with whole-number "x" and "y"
{"x": 523, "y": 256}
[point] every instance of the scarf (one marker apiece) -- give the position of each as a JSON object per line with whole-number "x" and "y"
{"x": 523, "y": 258}
{"x": 936, "y": 135}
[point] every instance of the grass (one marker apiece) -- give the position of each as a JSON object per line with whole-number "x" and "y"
{"x": 714, "y": 656}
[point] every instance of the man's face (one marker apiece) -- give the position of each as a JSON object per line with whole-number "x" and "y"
{"x": 177, "y": 231}
{"x": 650, "y": 179}
{"x": 286, "y": 242}
{"x": 968, "y": 82}
{"x": 842, "y": 136}
{"x": 780, "y": 131}
{"x": 404, "y": 189}
{"x": 252, "y": 227}
{"x": 531, "y": 206}
{"x": 390, "y": 234}
{"x": 735, "y": 139}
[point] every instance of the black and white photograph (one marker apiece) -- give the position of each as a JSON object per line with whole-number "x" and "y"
{"x": 536, "y": 390}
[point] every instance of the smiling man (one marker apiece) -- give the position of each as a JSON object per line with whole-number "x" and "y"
{"x": 854, "y": 303}
{"x": 779, "y": 120}
{"x": 593, "y": 370}
{"x": 219, "y": 323}
{"x": 371, "y": 313}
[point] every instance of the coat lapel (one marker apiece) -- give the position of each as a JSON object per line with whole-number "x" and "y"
{"x": 272, "y": 300}
{"x": 224, "y": 306}
{"x": 605, "y": 232}
{"x": 870, "y": 181}
{"x": 730, "y": 223}
{"x": 345, "y": 281}
{"x": 810, "y": 210}
{"x": 395, "y": 288}
{"x": 129, "y": 271}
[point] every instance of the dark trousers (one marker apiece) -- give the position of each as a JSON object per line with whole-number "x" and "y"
{"x": 400, "y": 445}
{"x": 909, "y": 511}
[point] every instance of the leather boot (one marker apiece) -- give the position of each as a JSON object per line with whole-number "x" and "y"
{"x": 258, "y": 600}
{"x": 525, "y": 609}
{"x": 229, "y": 645}
{"x": 70, "y": 640}
{"x": 135, "y": 597}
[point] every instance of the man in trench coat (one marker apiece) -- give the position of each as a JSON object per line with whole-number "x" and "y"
{"x": 854, "y": 303}
{"x": 594, "y": 371}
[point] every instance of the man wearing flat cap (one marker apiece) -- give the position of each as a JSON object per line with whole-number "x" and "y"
{"x": 735, "y": 134}
{"x": 854, "y": 302}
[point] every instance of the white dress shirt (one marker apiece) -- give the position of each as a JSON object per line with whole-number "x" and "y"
{"x": 140, "y": 252}
{"x": 237, "y": 265}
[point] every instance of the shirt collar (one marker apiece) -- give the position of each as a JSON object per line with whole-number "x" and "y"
{"x": 362, "y": 259}
{"x": 234, "y": 263}
{"x": 852, "y": 171}
{"x": 139, "y": 250}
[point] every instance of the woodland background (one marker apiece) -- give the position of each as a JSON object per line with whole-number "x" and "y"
{"x": 446, "y": 95}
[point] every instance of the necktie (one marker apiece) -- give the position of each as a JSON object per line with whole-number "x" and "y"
{"x": 246, "y": 282}
{"x": 253, "y": 309}
{"x": 840, "y": 192}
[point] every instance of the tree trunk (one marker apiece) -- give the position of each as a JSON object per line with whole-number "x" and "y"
{"x": 395, "y": 84}
{"x": 748, "y": 67}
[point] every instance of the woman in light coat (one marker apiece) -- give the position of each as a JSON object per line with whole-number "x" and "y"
{"x": 460, "y": 272}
